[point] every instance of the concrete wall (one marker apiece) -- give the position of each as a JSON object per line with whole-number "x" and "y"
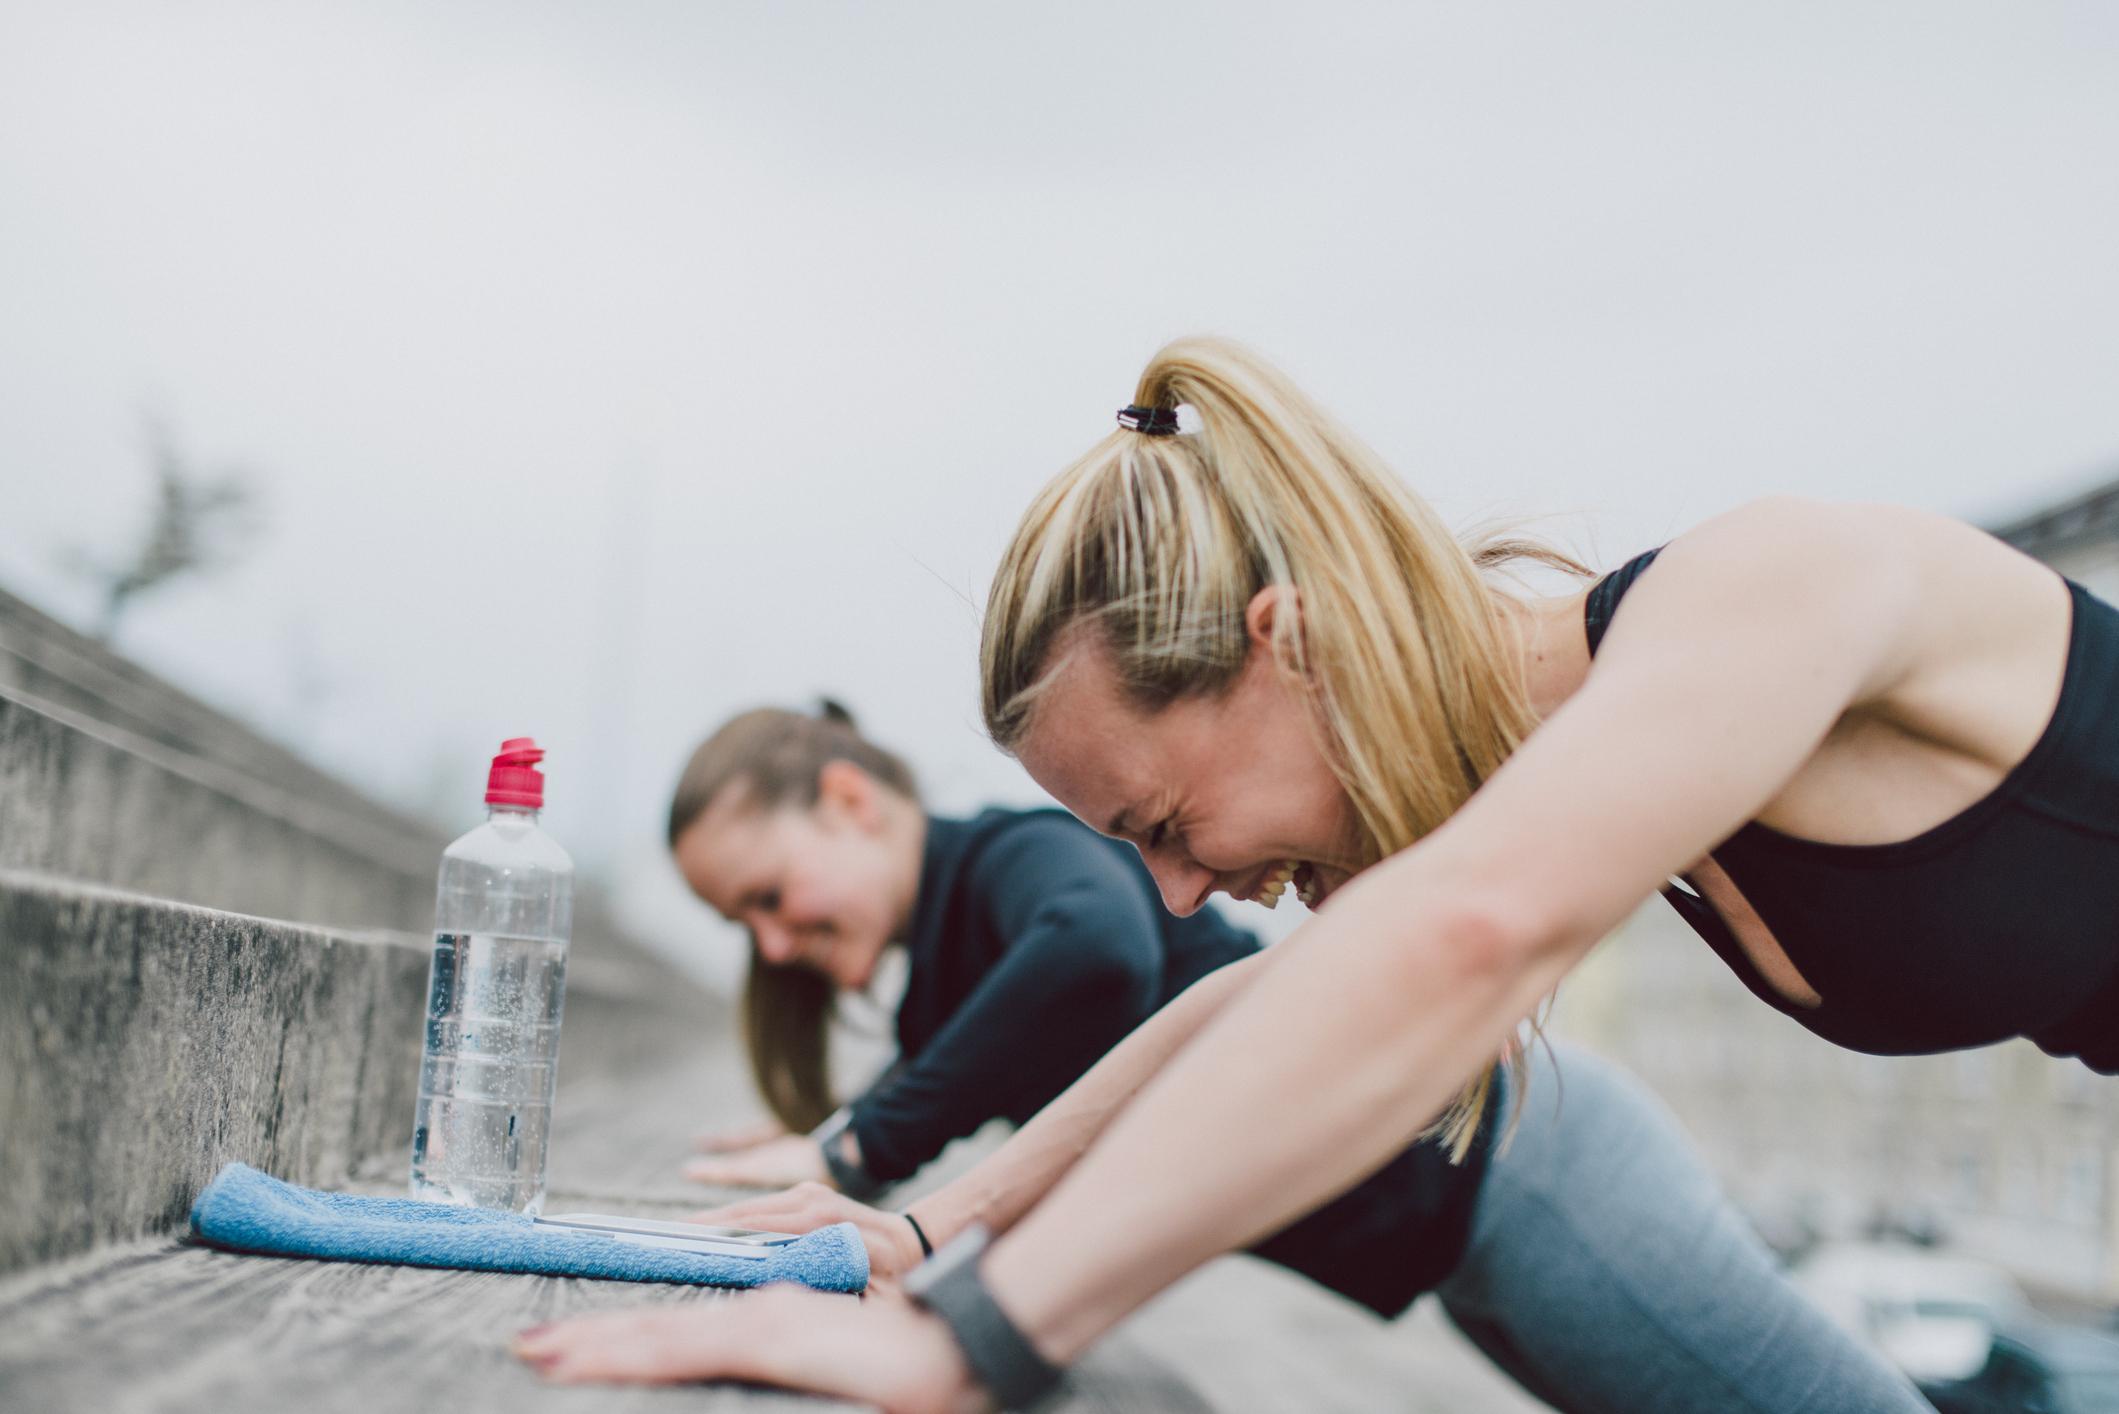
{"x": 42, "y": 659}
{"x": 158, "y": 1020}
{"x": 88, "y": 801}
{"x": 2009, "y": 1153}
{"x": 145, "y": 1043}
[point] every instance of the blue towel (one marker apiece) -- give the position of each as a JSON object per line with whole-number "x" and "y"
{"x": 249, "y": 1211}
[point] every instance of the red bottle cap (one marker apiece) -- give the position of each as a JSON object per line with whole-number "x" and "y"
{"x": 515, "y": 779}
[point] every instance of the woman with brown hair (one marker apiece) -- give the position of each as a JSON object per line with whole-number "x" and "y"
{"x": 1871, "y": 754}
{"x": 1032, "y": 946}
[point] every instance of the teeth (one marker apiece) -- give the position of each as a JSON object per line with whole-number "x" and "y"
{"x": 1306, "y": 890}
{"x": 1269, "y": 891}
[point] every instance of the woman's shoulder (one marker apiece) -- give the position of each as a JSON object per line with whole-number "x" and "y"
{"x": 1037, "y": 840}
{"x": 1842, "y": 541}
{"x": 1043, "y": 874}
{"x": 1783, "y": 530}
{"x": 1863, "y": 565}
{"x": 1917, "y": 603}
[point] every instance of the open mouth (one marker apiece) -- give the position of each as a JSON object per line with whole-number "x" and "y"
{"x": 1279, "y": 878}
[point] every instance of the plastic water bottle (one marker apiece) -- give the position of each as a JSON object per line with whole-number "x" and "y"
{"x": 502, "y": 913}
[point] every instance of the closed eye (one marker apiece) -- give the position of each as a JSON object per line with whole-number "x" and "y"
{"x": 1159, "y": 833}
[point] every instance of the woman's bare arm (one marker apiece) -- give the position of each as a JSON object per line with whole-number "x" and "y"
{"x": 1732, "y": 661}
{"x": 1734, "y": 658}
{"x": 1019, "y": 1173}
{"x": 1006, "y": 1184}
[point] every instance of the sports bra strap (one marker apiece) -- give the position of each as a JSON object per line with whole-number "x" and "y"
{"x": 1605, "y": 594}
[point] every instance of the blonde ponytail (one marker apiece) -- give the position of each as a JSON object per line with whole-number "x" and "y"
{"x": 1159, "y": 543}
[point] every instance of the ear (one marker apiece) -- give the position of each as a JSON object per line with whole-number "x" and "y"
{"x": 847, "y": 792}
{"x": 1271, "y": 607}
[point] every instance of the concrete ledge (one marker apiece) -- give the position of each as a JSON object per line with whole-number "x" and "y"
{"x": 89, "y": 801}
{"x": 81, "y": 799}
{"x": 41, "y": 658}
{"x": 155, "y": 1024}
{"x": 143, "y": 1044}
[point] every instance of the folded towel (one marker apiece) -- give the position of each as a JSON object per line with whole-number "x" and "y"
{"x": 249, "y": 1211}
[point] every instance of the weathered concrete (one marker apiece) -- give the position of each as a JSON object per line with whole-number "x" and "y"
{"x": 146, "y": 1042}
{"x": 143, "y": 1044}
{"x": 87, "y": 801}
{"x": 161, "y": 1326}
{"x": 44, "y": 660}
{"x": 85, "y": 798}
{"x": 177, "y": 1330}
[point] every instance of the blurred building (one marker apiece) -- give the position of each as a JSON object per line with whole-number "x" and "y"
{"x": 2080, "y": 538}
{"x": 2004, "y": 1152}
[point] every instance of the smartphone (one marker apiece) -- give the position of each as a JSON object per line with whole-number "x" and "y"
{"x": 683, "y": 1237}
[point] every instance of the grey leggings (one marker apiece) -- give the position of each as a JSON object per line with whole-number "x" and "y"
{"x": 1606, "y": 1271}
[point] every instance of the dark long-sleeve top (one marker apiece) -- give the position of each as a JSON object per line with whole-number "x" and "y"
{"x": 1035, "y": 946}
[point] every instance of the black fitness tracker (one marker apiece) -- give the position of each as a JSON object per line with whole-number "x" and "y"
{"x": 852, "y": 1179}
{"x": 1000, "y": 1355}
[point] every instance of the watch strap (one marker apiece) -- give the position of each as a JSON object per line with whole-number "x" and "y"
{"x": 999, "y": 1354}
{"x": 851, "y": 1178}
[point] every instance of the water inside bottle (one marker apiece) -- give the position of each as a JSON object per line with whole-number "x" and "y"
{"x": 486, "y": 1083}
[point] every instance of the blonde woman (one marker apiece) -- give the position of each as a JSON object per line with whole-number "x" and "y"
{"x": 1033, "y": 945}
{"x": 1870, "y": 753}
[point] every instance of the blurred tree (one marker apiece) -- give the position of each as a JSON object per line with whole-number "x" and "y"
{"x": 199, "y": 523}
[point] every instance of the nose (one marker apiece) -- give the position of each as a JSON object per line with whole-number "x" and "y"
{"x": 1184, "y": 885}
{"x": 775, "y": 943}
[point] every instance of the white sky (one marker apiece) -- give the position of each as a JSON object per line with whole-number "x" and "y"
{"x": 612, "y": 367}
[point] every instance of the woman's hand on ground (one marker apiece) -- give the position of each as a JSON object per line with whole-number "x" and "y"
{"x": 792, "y": 1158}
{"x": 888, "y": 1353}
{"x": 893, "y": 1248}
{"x": 739, "y": 1136}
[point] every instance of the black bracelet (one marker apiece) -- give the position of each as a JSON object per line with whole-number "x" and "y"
{"x": 926, "y": 1247}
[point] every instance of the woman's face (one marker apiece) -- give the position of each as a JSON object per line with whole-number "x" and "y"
{"x": 1228, "y": 794}
{"x": 821, "y": 885}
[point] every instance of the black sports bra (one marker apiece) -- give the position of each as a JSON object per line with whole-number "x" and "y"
{"x": 2001, "y": 921}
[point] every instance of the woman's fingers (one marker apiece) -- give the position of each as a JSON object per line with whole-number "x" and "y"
{"x": 803, "y": 1208}
{"x": 893, "y": 1250}
{"x": 770, "y": 1219}
{"x": 722, "y": 1172}
{"x": 645, "y": 1346}
{"x": 888, "y": 1353}
{"x": 741, "y": 1136}
{"x": 773, "y": 1164}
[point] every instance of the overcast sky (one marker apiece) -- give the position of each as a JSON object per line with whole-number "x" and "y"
{"x": 607, "y": 368}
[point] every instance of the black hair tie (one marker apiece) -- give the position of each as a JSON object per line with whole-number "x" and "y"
{"x": 1149, "y": 422}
